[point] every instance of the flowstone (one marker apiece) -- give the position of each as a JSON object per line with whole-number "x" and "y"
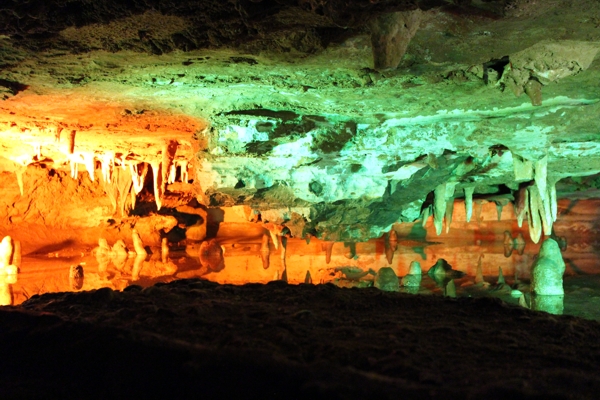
{"x": 547, "y": 271}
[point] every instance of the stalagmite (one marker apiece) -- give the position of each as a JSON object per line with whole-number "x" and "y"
{"x": 541, "y": 176}
{"x": 521, "y": 204}
{"x": 413, "y": 278}
{"x": 547, "y": 271}
{"x": 138, "y": 245}
{"x": 265, "y": 251}
{"x": 439, "y": 207}
{"x": 450, "y": 289}
{"x": 284, "y": 276}
{"x": 501, "y": 279}
{"x": 386, "y": 280}
{"x": 307, "y": 278}
{"x": 138, "y": 176}
{"x": 328, "y": 247}
{"x": 283, "y": 251}
{"x": 164, "y": 250}
{"x": 535, "y": 221}
{"x": 6, "y": 251}
{"x": 469, "y": 201}
{"x": 479, "y": 273}
{"x": 184, "y": 171}
{"x": 156, "y": 172}
{"x": 523, "y": 168}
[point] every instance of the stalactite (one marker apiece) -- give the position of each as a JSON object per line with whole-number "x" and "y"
{"x": 469, "y": 202}
{"x": 138, "y": 176}
{"x": 541, "y": 176}
{"x": 328, "y": 247}
{"x": 168, "y": 154}
{"x": 391, "y": 246}
{"x": 425, "y": 215}
{"x": 439, "y": 207}
{"x": 156, "y": 172}
{"x": 108, "y": 165}
{"x": 265, "y": 251}
{"x": 57, "y": 133}
{"x": 90, "y": 164}
{"x": 449, "y": 212}
{"x": 184, "y": 171}
{"x": 553, "y": 200}
{"x": 521, "y": 204}
{"x": 172, "y": 173}
{"x": 535, "y": 222}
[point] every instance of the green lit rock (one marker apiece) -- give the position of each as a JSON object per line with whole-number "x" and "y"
{"x": 387, "y": 280}
{"x": 547, "y": 271}
{"x": 413, "y": 278}
{"x": 553, "y": 304}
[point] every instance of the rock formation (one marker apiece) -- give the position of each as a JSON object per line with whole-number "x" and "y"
{"x": 548, "y": 270}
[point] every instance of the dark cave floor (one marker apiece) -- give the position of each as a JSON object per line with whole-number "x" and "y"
{"x": 194, "y": 338}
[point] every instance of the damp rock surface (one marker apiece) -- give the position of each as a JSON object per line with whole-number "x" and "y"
{"x": 281, "y": 340}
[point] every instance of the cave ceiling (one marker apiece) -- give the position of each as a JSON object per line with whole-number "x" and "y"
{"x": 349, "y": 114}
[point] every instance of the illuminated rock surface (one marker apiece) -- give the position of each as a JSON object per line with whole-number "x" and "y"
{"x": 304, "y": 141}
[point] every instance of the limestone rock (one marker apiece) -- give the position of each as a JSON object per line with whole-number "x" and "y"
{"x": 413, "y": 278}
{"x": 386, "y": 280}
{"x": 547, "y": 271}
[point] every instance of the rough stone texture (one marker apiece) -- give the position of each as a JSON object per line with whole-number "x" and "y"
{"x": 386, "y": 280}
{"x": 274, "y": 105}
{"x": 286, "y": 341}
{"x": 548, "y": 270}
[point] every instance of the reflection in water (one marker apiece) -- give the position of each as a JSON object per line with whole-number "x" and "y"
{"x": 471, "y": 260}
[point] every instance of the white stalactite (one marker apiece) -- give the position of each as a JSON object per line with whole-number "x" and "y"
{"x": 535, "y": 221}
{"x": 450, "y": 188}
{"x": 138, "y": 176}
{"x": 172, "y": 173}
{"x": 469, "y": 202}
{"x": 541, "y": 176}
{"x": 108, "y": 165}
{"x": 156, "y": 172}
{"x": 553, "y": 200}
{"x": 439, "y": 207}
{"x": 90, "y": 164}
{"x": 521, "y": 205}
{"x": 184, "y": 171}
{"x": 425, "y": 215}
{"x": 274, "y": 238}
